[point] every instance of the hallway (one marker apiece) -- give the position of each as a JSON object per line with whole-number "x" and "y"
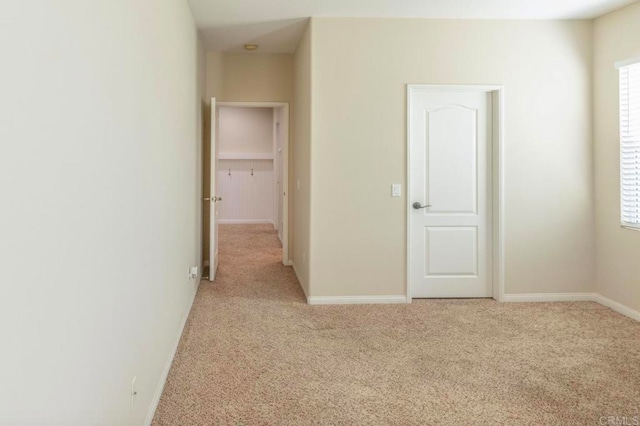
{"x": 254, "y": 353}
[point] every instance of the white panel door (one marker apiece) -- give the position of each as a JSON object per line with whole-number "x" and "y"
{"x": 213, "y": 198}
{"x": 450, "y": 194}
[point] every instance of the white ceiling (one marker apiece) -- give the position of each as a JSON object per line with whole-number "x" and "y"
{"x": 277, "y": 25}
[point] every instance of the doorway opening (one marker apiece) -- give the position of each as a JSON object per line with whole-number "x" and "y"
{"x": 455, "y": 212}
{"x": 249, "y": 172}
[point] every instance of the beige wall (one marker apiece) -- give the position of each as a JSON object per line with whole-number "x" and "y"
{"x": 247, "y": 77}
{"x": 616, "y": 37}
{"x": 215, "y": 70}
{"x": 245, "y": 130}
{"x": 302, "y": 158}
{"x": 358, "y": 149}
{"x": 99, "y": 176}
{"x": 250, "y": 77}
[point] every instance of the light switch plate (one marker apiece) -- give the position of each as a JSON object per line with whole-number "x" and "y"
{"x": 396, "y": 190}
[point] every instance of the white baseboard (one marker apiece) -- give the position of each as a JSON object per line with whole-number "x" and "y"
{"x": 288, "y": 263}
{"x": 549, "y": 297}
{"x": 355, "y": 300}
{"x": 618, "y": 307}
{"x": 574, "y": 297}
{"x": 246, "y": 222}
{"x": 167, "y": 367}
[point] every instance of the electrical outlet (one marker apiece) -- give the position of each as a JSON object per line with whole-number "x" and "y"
{"x": 193, "y": 272}
{"x": 134, "y": 392}
{"x": 396, "y": 190}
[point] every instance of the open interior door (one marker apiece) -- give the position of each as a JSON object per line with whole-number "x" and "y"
{"x": 214, "y": 200}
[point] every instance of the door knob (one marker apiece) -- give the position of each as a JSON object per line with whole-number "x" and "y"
{"x": 207, "y": 199}
{"x": 216, "y": 199}
{"x": 417, "y": 206}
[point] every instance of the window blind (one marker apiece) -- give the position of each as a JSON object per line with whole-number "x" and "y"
{"x": 630, "y": 144}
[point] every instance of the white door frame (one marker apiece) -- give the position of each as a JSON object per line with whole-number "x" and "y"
{"x": 212, "y": 197}
{"x": 498, "y": 176}
{"x": 284, "y": 129}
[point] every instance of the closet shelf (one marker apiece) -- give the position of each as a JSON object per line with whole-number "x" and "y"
{"x": 245, "y": 156}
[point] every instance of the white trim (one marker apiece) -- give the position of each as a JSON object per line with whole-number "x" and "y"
{"x": 355, "y": 300}
{"x": 454, "y": 87}
{"x": 285, "y": 163}
{"x": 276, "y": 169}
{"x": 549, "y": 297}
{"x": 289, "y": 263}
{"x": 618, "y": 307}
{"x": 167, "y": 366}
{"x": 245, "y": 222}
{"x": 245, "y": 156}
{"x": 627, "y": 62}
{"x": 253, "y": 104}
{"x": 213, "y": 191}
{"x": 574, "y": 297}
{"x": 498, "y": 190}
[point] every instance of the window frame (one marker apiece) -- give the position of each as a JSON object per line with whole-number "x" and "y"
{"x": 619, "y": 66}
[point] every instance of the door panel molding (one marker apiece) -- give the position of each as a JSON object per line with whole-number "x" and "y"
{"x": 437, "y": 266}
{"x": 438, "y": 161}
{"x": 497, "y": 202}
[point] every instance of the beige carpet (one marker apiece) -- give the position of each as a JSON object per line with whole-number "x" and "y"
{"x": 253, "y": 353}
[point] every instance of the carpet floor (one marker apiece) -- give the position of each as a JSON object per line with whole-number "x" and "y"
{"x": 253, "y": 353}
